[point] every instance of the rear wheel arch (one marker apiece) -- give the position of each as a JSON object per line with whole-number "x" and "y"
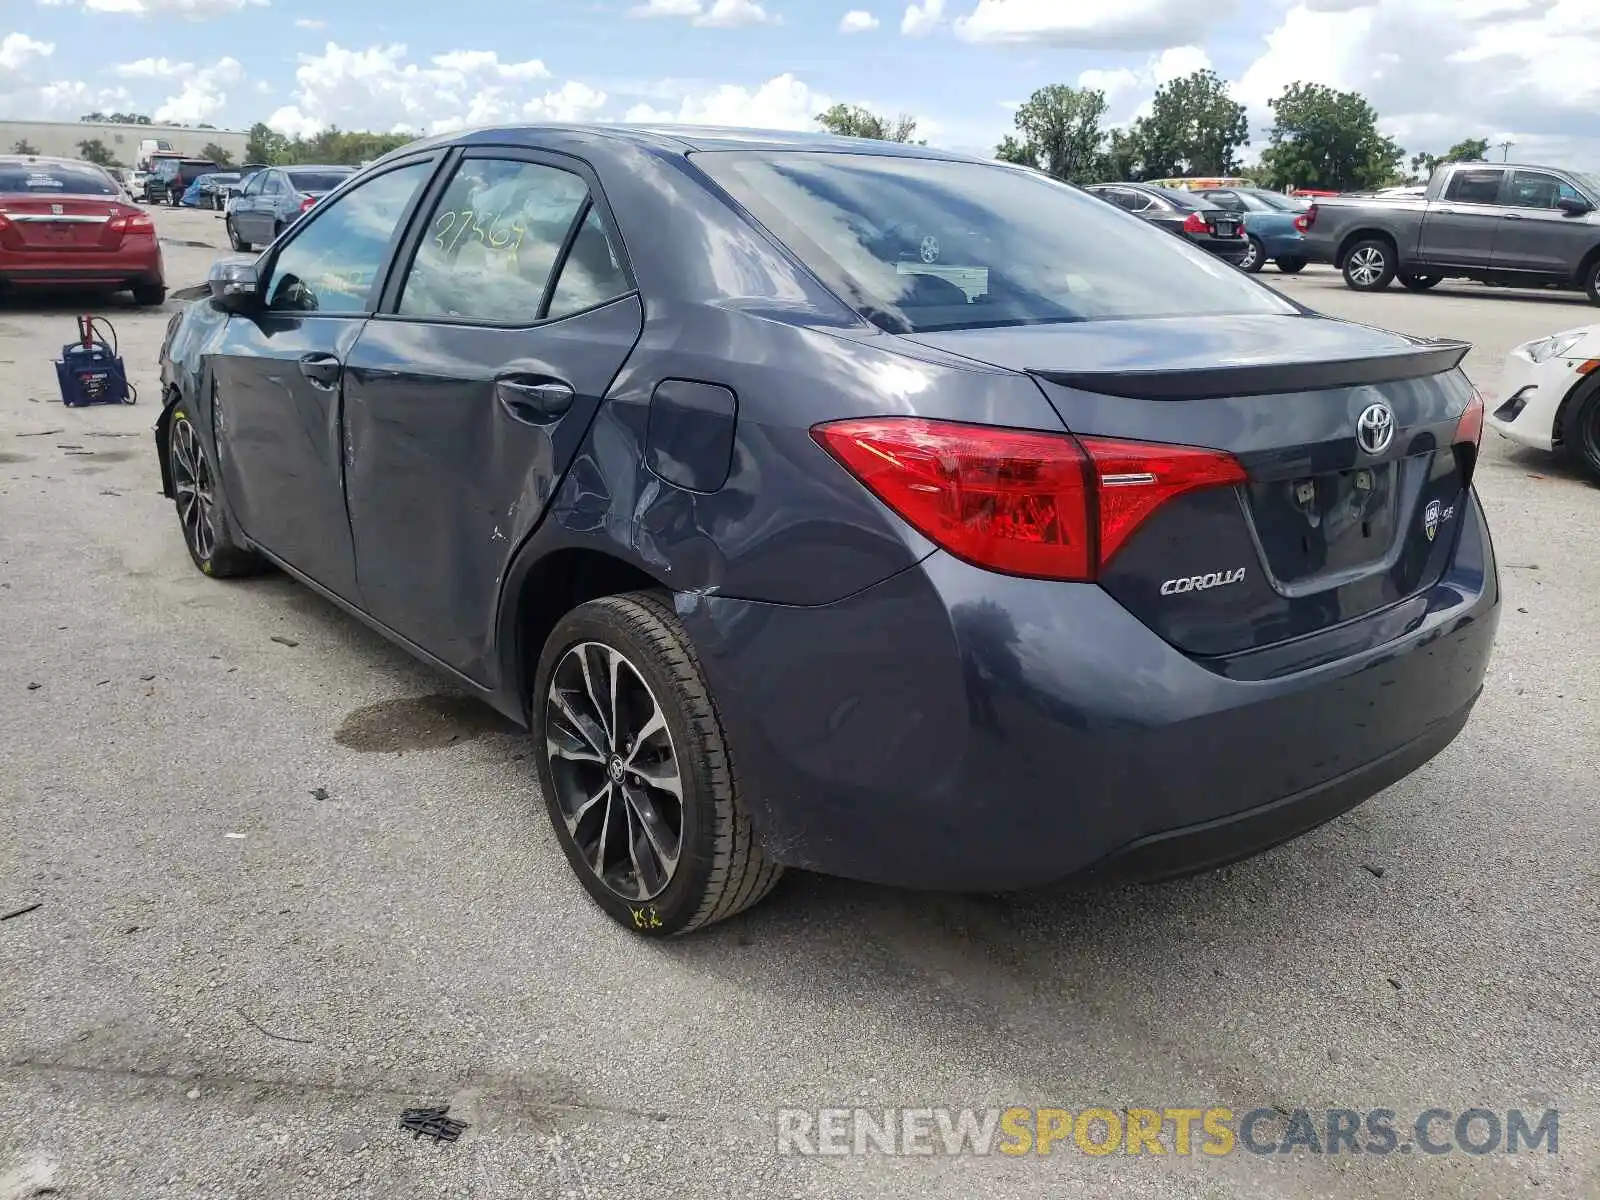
{"x": 544, "y": 587}
{"x": 171, "y": 399}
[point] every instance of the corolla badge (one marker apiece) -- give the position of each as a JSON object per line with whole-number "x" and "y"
{"x": 1202, "y": 583}
{"x": 1375, "y": 428}
{"x": 57, "y": 210}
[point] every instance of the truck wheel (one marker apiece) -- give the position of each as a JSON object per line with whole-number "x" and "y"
{"x": 1591, "y": 280}
{"x": 1369, "y": 266}
{"x": 1413, "y": 282}
{"x": 1291, "y": 266}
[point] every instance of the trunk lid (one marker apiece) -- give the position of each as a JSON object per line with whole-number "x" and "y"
{"x": 1347, "y": 435}
{"x": 60, "y": 223}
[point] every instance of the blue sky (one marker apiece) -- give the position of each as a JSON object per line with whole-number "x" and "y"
{"x": 1438, "y": 69}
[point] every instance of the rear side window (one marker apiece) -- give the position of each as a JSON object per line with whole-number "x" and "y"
{"x": 591, "y": 274}
{"x": 926, "y": 244}
{"x": 52, "y": 179}
{"x": 1474, "y": 187}
{"x": 491, "y": 243}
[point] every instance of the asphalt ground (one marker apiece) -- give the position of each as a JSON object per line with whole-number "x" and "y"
{"x": 289, "y": 884}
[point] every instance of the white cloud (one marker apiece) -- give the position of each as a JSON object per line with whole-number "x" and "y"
{"x": 922, "y": 19}
{"x": 18, "y": 51}
{"x": 731, "y": 14}
{"x": 666, "y": 8}
{"x": 309, "y": 23}
{"x": 857, "y": 21}
{"x": 1093, "y": 24}
{"x": 783, "y": 102}
{"x": 709, "y": 14}
{"x": 196, "y": 10}
{"x": 153, "y": 68}
{"x": 1122, "y": 83}
{"x": 203, "y": 94}
{"x": 381, "y": 88}
{"x": 1441, "y": 70}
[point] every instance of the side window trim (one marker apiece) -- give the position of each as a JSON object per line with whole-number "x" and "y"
{"x": 388, "y": 306}
{"x": 386, "y": 267}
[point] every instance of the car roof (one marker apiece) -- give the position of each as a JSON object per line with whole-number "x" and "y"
{"x": 684, "y": 139}
{"x": 1173, "y": 195}
{"x": 53, "y": 160}
{"x": 310, "y": 167}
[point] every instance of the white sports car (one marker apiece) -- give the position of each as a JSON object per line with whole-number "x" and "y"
{"x": 1550, "y": 395}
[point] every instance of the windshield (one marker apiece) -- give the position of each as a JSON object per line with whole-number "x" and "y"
{"x": 917, "y": 245}
{"x": 54, "y": 179}
{"x": 317, "y": 181}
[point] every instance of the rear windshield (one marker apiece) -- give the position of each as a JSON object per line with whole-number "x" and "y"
{"x": 1272, "y": 200}
{"x": 317, "y": 181}
{"x": 918, "y": 245}
{"x": 54, "y": 179}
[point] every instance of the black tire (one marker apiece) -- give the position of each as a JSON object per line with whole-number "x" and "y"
{"x": 174, "y": 198}
{"x": 149, "y": 295}
{"x": 1255, "y": 256}
{"x": 719, "y": 867}
{"x": 1591, "y": 280}
{"x": 1414, "y": 282}
{"x": 234, "y": 239}
{"x": 217, "y": 555}
{"x": 1369, "y": 265}
{"x": 1580, "y": 431}
{"x": 1291, "y": 266}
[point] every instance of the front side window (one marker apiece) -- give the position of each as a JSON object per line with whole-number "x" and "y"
{"x": 1474, "y": 187}
{"x": 332, "y": 265}
{"x": 1535, "y": 189}
{"x": 924, "y": 244}
{"x": 489, "y": 247}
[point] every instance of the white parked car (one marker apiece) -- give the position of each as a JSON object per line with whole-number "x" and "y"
{"x": 1550, "y": 395}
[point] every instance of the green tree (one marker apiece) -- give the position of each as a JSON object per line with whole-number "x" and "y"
{"x": 1466, "y": 150}
{"x": 217, "y": 155}
{"x": 1123, "y": 158}
{"x": 1326, "y": 138}
{"x": 1194, "y": 128}
{"x": 94, "y": 150}
{"x": 24, "y": 146}
{"x": 1060, "y": 133}
{"x": 116, "y": 118}
{"x": 266, "y": 145}
{"x": 850, "y": 120}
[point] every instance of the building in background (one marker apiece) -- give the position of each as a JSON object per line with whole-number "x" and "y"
{"x": 61, "y": 138}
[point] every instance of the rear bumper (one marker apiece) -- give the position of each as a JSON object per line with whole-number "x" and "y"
{"x": 954, "y": 729}
{"x": 1232, "y": 249}
{"x": 84, "y": 269}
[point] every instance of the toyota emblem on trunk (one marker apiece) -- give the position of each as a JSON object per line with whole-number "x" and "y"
{"x": 1375, "y": 428}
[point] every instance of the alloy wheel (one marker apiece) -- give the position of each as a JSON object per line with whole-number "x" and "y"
{"x": 1366, "y": 265}
{"x": 192, "y": 485}
{"x": 618, "y": 782}
{"x": 1250, "y": 252}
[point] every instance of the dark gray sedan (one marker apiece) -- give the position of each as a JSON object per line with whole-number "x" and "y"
{"x": 274, "y": 199}
{"x": 848, "y": 506}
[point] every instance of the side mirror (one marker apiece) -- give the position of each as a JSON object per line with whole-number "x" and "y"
{"x": 235, "y": 285}
{"x": 1574, "y": 207}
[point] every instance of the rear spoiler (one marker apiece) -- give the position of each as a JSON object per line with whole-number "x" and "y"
{"x": 1264, "y": 379}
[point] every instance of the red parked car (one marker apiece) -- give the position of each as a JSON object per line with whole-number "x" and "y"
{"x": 65, "y": 223}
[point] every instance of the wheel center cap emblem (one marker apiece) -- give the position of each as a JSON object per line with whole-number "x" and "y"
{"x": 614, "y": 768}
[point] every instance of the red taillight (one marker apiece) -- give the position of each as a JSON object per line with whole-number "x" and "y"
{"x": 1306, "y": 219}
{"x": 1469, "y": 430}
{"x": 1136, "y": 478}
{"x": 307, "y": 203}
{"x": 1044, "y": 505}
{"x": 1195, "y": 223}
{"x": 5, "y": 222}
{"x": 132, "y": 223}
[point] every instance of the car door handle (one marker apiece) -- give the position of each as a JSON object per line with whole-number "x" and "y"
{"x": 534, "y": 400}
{"x": 323, "y": 370}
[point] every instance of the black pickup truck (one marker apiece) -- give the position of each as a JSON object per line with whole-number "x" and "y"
{"x": 1498, "y": 223}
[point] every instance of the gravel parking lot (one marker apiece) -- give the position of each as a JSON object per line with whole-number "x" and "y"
{"x": 289, "y": 885}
